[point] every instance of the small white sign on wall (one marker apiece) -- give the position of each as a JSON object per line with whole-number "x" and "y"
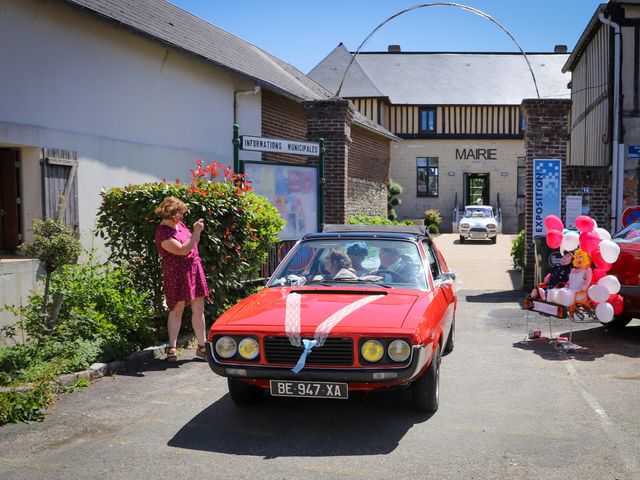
{"x": 574, "y": 210}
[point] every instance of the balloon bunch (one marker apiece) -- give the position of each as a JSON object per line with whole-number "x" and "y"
{"x": 602, "y": 252}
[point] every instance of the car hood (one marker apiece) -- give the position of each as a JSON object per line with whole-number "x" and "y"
{"x": 267, "y": 308}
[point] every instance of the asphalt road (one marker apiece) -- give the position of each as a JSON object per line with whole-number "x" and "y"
{"x": 510, "y": 408}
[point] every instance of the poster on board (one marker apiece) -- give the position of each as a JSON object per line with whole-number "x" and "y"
{"x": 546, "y": 192}
{"x": 294, "y": 192}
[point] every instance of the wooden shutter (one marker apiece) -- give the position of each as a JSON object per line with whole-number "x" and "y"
{"x": 60, "y": 186}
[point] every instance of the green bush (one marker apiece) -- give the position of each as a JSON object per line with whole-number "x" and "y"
{"x": 240, "y": 228}
{"x": 517, "y": 250}
{"x": 394, "y": 190}
{"x": 372, "y": 220}
{"x": 433, "y": 218}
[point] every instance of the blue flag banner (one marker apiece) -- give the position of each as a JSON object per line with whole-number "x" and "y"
{"x": 547, "y": 186}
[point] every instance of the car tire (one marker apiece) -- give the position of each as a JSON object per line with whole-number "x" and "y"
{"x": 461, "y": 239}
{"x": 451, "y": 339}
{"x": 494, "y": 239}
{"x": 243, "y": 394}
{"x": 426, "y": 389}
{"x": 619, "y": 321}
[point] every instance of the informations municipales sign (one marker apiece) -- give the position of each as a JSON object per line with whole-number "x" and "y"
{"x": 546, "y": 192}
{"x": 276, "y": 145}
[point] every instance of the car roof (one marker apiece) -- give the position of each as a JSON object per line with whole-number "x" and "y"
{"x": 390, "y": 232}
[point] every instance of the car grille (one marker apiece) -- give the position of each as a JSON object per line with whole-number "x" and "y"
{"x": 478, "y": 229}
{"x": 335, "y": 351}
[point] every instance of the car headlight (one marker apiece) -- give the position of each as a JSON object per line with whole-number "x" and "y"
{"x": 226, "y": 347}
{"x": 491, "y": 226}
{"x": 372, "y": 351}
{"x": 464, "y": 225}
{"x": 399, "y": 350}
{"x": 249, "y": 348}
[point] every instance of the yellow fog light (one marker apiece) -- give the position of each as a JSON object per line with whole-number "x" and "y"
{"x": 372, "y": 351}
{"x": 226, "y": 347}
{"x": 399, "y": 350}
{"x": 249, "y": 348}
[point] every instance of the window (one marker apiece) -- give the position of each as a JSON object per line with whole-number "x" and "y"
{"x": 522, "y": 176}
{"x": 427, "y": 120}
{"x": 432, "y": 257}
{"x": 523, "y": 124}
{"x": 427, "y": 176}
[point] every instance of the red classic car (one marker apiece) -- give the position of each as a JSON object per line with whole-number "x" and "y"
{"x": 354, "y": 308}
{"x": 627, "y": 270}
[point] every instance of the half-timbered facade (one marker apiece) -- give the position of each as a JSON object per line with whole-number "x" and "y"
{"x": 459, "y": 116}
{"x": 605, "y": 113}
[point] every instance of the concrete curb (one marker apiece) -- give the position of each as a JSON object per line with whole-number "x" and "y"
{"x": 99, "y": 370}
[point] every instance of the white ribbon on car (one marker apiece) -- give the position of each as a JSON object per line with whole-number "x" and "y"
{"x": 292, "y": 325}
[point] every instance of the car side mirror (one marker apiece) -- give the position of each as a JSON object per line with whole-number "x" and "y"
{"x": 446, "y": 277}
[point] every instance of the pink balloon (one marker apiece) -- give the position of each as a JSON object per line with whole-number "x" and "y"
{"x": 616, "y": 302}
{"x": 551, "y": 222}
{"x": 599, "y": 262}
{"x": 585, "y": 223}
{"x": 554, "y": 238}
{"x": 589, "y": 241}
{"x": 597, "y": 274}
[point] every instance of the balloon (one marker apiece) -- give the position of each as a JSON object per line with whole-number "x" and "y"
{"x": 603, "y": 234}
{"x": 604, "y": 312}
{"x": 570, "y": 242}
{"x": 551, "y": 222}
{"x": 598, "y": 293}
{"x": 598, "y": 261}
{"x": 585, "y": 224}
{"x": 616, "y": 302}
{"x": 589, "y": 241}
{"x": 597, "y": 274}
{"x": 611, "y": 283}
{"x": 554, "y": 238}
{"x": 609, "y": 251}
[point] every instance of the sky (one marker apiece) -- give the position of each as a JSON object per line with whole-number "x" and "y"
{"x": 303, "y": 32}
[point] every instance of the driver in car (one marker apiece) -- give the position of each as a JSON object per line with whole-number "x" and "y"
{"x": 393, "y": 268}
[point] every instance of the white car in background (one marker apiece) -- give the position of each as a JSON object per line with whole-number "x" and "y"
{"x": 479, "y": 222}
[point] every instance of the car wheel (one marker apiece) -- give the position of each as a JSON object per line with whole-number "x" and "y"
{"x": 494, "y": 239}
{"x": 426, "y": 389}
{"x": 461, "y": 239}
{"x": 243, "y": 394}
{"x": 619, "y": 321}
{"x": 451, "y": 339}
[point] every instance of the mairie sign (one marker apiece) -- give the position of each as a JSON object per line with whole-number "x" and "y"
{"x": 277, "y": 145}
{"x": 546, "y": 192}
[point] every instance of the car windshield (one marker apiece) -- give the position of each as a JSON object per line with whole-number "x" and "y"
{"x": 630, "y": 234}
{"x": 330, "y": 262}
{"x": 478, "y": 212}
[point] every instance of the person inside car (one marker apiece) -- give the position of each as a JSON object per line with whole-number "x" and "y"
{"x": 394, "y": 268}
{"x": 338, "y": 264}
{"x": 357, "y": 253}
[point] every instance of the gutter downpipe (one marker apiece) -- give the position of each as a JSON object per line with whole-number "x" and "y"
{"x": 254, "y": 91}
{"x": 617, "y": 164}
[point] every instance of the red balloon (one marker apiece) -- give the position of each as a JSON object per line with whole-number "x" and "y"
{"x": 585, "y": 223}
{"x": 598, "y": 261}
{"x": 616, "y": 302}
{"x": 554, "y": 238}
{"x": 589, "y": 241}
{"x": 551, "y": 222}
{"x": 597, "y": 274}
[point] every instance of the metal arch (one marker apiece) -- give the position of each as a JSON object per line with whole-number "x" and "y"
{"x": 439, "y": 4}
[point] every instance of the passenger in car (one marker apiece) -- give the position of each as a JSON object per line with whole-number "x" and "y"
{"x": 357, "y": 253}
{"x": 338, "y": 264}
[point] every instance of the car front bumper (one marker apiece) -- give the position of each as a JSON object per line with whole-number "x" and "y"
{"x": 478, "y": 235}
{"x": 420, "y": 356}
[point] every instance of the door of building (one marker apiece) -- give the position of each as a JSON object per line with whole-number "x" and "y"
{"x": 9, "y": 216}
{"x": 476, "y": 187}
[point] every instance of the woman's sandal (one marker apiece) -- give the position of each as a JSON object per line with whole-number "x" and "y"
{"x": 201, "y": 352}
{"x": 172, "y": 354}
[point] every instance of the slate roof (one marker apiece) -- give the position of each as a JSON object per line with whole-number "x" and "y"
{"x": 444, "y": 78}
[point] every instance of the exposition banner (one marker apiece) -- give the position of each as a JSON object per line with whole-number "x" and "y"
{"x": 547, "y": 187}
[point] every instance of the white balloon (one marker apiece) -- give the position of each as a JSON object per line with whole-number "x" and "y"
{"x": 611, "y": 283}
{"x": 603, "y": 234}
{"x": 570, "y": 241}
{"x": 604, "y": 312}
{"x": 609, "y": 251}
{"x": 598, "y": 293}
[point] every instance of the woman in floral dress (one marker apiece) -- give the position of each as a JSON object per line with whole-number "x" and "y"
{"x": 183, "y": 275}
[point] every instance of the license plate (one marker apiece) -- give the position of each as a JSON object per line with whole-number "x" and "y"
{"x": 282, "y": 388}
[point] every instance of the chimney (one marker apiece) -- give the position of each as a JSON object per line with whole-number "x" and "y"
{"x": 394, "y": 49}
{"x": 560, "y": 49}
